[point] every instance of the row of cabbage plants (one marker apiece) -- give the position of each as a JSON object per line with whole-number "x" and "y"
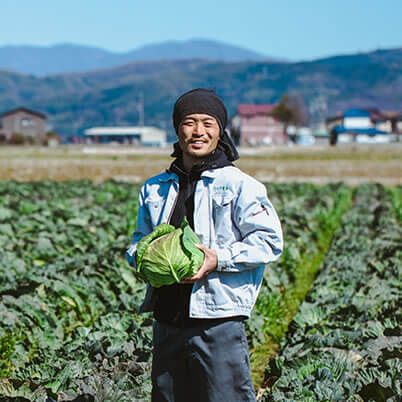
{"x": 68, "y": 301}
{"x": 51, "y": 232}
{"x": 310, "y": 215}
{"x": 345, "y": 341}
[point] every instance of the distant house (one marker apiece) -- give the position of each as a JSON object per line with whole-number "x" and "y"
{"x": 23, "y": 121}
{"x": 255, "y": 125}
{"x": 364, "y": 126}
{"x": 390, "y": 121}
{"x": 147, "y": 136}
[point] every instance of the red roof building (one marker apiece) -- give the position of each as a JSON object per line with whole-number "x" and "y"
{"x": 255, "y": 125}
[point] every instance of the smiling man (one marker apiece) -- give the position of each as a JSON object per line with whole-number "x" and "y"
{"x": 198, "y": 137}
{"x": 200, "y": 346}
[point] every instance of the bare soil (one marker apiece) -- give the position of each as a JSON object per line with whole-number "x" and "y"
{"x": 353, "y": 165}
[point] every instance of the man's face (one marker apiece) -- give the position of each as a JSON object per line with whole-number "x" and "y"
{"x": 198, "y": 136}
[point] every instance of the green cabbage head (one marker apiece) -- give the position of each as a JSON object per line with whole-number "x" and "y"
{"x": 167, "y": 255}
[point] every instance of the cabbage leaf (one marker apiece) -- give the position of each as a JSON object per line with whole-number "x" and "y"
{"x": 167, "y": 255}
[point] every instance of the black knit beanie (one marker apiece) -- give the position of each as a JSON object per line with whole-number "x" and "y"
{"x": 206, "y": 101}
{"x": 200, "y": 100}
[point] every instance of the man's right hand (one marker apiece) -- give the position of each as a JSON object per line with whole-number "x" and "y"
{"x": 210, "y": 263}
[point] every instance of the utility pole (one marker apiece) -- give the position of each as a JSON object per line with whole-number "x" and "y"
{"x": 318, "y": 109}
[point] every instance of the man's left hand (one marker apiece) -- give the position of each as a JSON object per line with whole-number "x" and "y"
{"x": 210, "y": 263}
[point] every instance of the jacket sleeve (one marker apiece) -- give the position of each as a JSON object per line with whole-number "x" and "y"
{"x": 144, "y": 227}
{"x": 259, "y": 232}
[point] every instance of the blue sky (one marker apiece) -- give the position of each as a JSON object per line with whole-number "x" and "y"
{"x": 291, "y": 29}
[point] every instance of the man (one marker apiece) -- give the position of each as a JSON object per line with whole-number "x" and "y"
{"x": 200, "y": 346}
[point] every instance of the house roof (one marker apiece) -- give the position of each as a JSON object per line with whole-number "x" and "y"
{"x": 356, "y": 113}
{"x": 26, "y": 110}
{"x": 376, "y": 115}
{"x": 392, "y": 114}
{"x": 131, "y": 130}
{"x": 373, "y": 113}
{"x": 248, "y": 109}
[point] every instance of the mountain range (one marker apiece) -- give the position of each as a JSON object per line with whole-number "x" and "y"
{"x": 117, "y": 95}
{"x": 65, "y": 58}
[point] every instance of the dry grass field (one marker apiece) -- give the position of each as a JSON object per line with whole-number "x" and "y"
{"x": 318, "y": 164}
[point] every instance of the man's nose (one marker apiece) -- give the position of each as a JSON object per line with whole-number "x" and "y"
{"x": 198, "y": 129}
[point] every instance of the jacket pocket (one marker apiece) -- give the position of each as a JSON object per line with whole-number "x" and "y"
{"x": 222, "y": 217}
{"x": 155, "y": 206}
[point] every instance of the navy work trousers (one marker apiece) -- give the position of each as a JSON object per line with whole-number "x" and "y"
{"x": 203, "y": 363}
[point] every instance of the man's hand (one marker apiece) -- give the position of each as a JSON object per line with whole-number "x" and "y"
{"x": 210, "y": 263}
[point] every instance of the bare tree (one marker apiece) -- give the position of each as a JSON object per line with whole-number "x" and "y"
{"x": 290, "y": 110}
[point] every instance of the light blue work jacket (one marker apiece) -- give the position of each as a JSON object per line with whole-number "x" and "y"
{"x": 233, "y": 216}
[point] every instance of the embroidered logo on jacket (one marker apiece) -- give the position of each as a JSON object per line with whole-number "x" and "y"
{"x": 221, "y": 189}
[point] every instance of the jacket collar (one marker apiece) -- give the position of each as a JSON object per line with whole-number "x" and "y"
{"x": 168, "y": 176}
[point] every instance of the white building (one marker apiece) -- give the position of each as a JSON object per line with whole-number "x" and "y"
{"x": 357, "y": 118}
{"x": 147, "y": 136}
{"x": 364, "y": 126}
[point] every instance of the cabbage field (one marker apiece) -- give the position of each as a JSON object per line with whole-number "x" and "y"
{"x": 326, "y": 325}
